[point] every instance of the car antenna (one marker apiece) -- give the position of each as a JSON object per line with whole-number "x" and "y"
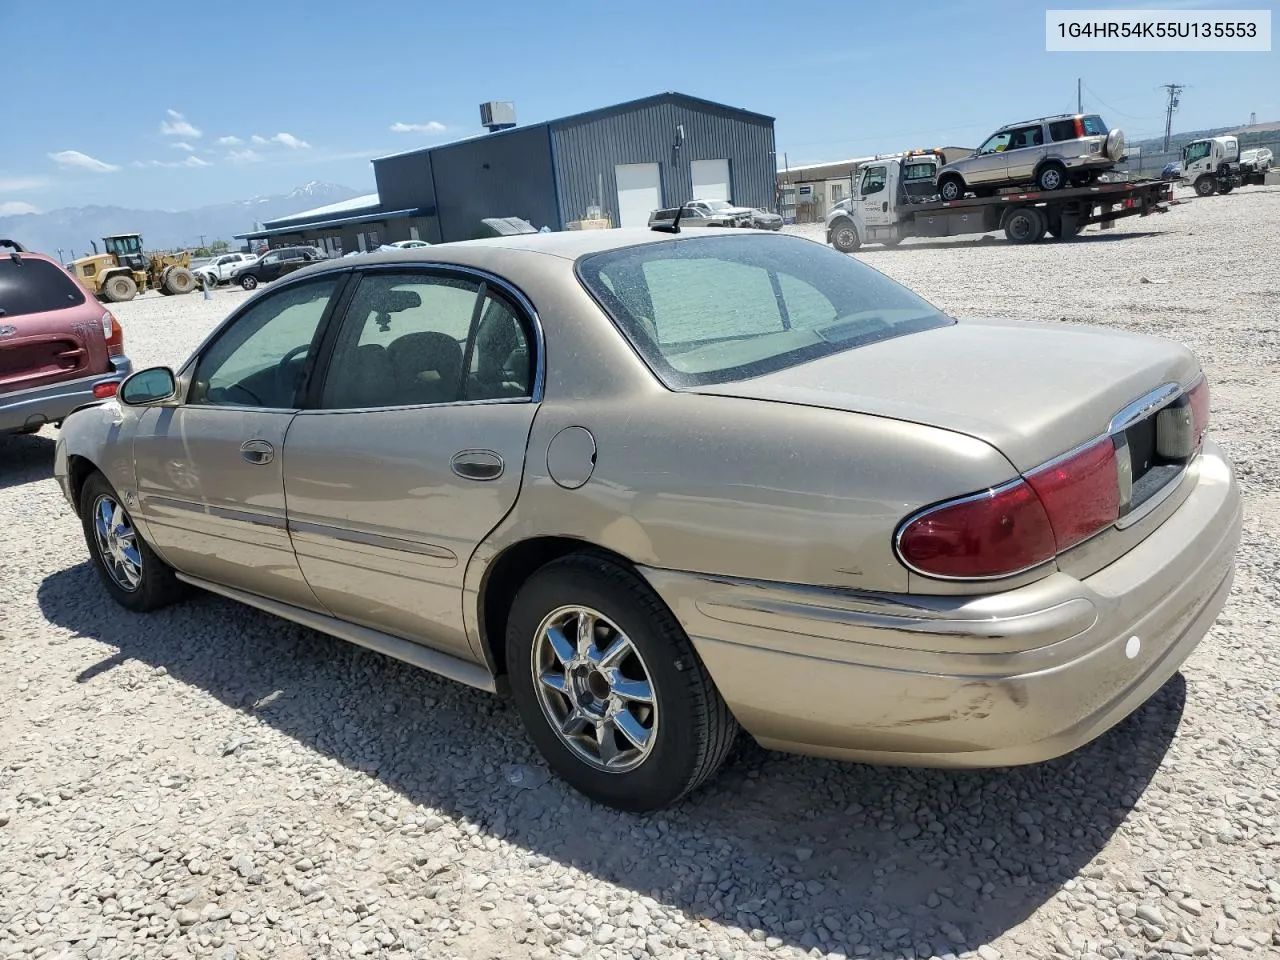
{"x": 674, "y": 225}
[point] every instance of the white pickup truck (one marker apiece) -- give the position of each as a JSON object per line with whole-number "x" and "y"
{"x": 219, "y": 269}
{"x": 1218, "y": 165}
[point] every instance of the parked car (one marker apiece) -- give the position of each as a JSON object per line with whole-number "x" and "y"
{"x": 1169, "y": 171}
{"x": 690, "y": 217}
{"x": 59, "y": 347}
{"x": 221, "y": 268}
{"x": 1050, "y": 153}
{"x": 659, "y": 485}
{"x": 407, "y": 244}
{"x": 764, "y": 220}
{"x": 275, "y": 264}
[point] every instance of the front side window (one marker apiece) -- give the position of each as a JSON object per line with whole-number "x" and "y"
{"x": 416, "y": 338}
{"x": 259, "y": 359}
{"x": 1195, "y": 151}
{"x": 997, "y": 144}
{"x": 873, "y": 180}
{"x": 704, "y": 310}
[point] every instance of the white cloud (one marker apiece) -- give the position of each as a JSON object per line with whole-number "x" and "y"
{"x": 257, "y": 139}
{"x": 182, "y": 145}
{"x": 244, "y": 156}
{"x": 431, "y": 126}
{"x": 19, "y": 184}
{"x": 290, "y": 141}
{"x": 15, "y": 208}
{"x": 191, "y": 161}
{"x": 178, "y": 126}
{"x": 230, "y": 141}
{"x": 75, "y": 160}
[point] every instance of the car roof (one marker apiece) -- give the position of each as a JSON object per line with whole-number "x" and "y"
{"x": 567, "y": 245}
{"x": 1056, "y": 116}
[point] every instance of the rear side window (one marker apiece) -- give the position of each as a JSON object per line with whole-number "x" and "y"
{"x": 32, "y": 285}
{"x": 1094, "y": 126}
{"x": 1062, "y": 130}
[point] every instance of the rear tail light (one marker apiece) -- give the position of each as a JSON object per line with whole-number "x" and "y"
{"x": 1019, "y": 525}
{"x": 1080, "y": 493}
{"x": 992, "y": 534}
{"x": 114, "y": 334}
{"x": 1198, "y": 396}
{"x": 105, "y": 391}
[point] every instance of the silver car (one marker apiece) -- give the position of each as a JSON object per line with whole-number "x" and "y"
{"x": 1049, "y": 153}
{"x": 661, "y": 487}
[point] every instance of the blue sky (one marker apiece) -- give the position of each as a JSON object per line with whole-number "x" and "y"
{"x": 243, "y": 100}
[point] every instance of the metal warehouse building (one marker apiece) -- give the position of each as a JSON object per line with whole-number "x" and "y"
{"x": 615, "y": 164}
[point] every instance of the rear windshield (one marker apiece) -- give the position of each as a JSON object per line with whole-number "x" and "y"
{"x": 706, "y": 310}
{"x": 1094, "y": 126}
{"x": 32, "y": 285}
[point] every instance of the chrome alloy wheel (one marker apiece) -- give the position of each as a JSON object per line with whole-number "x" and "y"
{"x": 595, "y": 689}
{"x": 117, "y": 543}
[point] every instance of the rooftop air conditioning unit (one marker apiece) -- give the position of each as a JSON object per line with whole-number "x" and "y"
{"x": 498, "y": 115}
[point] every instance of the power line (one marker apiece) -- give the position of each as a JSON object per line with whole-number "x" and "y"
{"x": 1129, "y": 116}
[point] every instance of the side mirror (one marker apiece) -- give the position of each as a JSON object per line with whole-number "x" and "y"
{"x": 148, "y": 386}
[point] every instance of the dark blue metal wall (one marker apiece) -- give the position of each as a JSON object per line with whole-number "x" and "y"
{"x": 506, "y": 174}
{"x": 405, "y": 182}
{"x": 589, "y": 146}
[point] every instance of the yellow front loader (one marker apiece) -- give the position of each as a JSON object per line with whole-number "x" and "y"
{"x": 122, "y": 270}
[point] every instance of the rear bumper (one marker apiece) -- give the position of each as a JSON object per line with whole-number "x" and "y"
{"x": 1004, "y": 679}
{"x": 52, "y": 403}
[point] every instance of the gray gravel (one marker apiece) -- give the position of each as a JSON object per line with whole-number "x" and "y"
{"x": 208, "y": 781}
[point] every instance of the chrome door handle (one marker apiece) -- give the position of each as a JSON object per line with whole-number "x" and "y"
{"x": 257, "y": 451}
{"x": 477, "y": 464}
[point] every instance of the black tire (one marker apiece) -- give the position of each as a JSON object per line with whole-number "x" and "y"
{"x": 892, "y": 241}
{"x": 120, "y": 288}
{"x": 178, "y": 280}
{"x": 844, "y": 236}
{"x": 1051, "y": 176}
{"x": 156, "y": 584}
{"x": 692, "y": 728}
{"x": 248, "y": 281}
{"x": 1225, "y": 188}
{"x": 1206, "y": 186}
{"x": 1024, "y": 225}
{"x": 950, "y": 187}
{"x": 1057, "y": 230}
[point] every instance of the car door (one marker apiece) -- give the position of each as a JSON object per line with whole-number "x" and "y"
{"x": 413, "y": 448}
{"x": 873, "y": 195}
{"x": 208, "y": 470}
{"x": 268, "y": 268}
{"x": 988, "y": 165}
{"x": 1026, "y": 150}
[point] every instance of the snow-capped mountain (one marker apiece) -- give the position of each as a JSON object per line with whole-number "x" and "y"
{"x": 71, "y": 228}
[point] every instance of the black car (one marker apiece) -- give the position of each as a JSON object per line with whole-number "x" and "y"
{"x": 275, "y": 264}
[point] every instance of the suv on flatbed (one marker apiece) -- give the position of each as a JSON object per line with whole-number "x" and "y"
{"x": 1051, "y": 153}
{"x": 59, "y": 347}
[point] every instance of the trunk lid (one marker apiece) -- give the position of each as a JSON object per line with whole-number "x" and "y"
{"x": 1031, "y": 390}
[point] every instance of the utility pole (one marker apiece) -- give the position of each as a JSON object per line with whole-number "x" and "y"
{"x": 1253, "y": 119}
{"x": 60, "y": 260}
{"x": 202, "y": 239}
{"x": 1174, "y": 90}
{"x": 1079, "y": 99}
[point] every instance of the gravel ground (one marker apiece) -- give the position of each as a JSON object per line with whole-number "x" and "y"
{"x": 209, "y": 781}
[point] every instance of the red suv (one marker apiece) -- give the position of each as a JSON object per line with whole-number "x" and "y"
{"x": 59, "y": 347}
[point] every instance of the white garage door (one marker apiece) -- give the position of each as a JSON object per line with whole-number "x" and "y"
{"x": 639, "y": 192}
{"x": 711, "y": 179}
